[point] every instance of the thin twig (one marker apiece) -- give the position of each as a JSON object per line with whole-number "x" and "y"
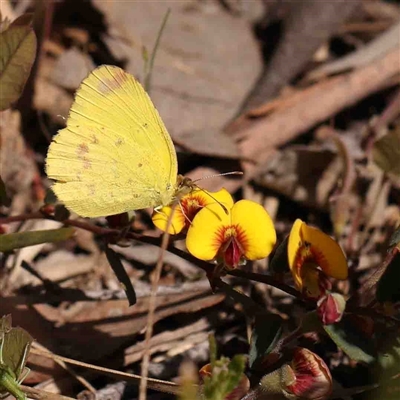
{"x": 204, "y": 265}
{"x": 149, "y": 70}
{"x": 155, "y": 384}
{"x": 62, "y": 364}
{"x": 39, "y": 394}
{"x": 152, "y": 308}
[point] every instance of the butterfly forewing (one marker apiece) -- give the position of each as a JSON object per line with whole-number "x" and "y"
{"x": 115, "y": 154}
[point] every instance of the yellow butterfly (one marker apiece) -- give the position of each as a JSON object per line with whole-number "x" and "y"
{"x": 115, "y": 154}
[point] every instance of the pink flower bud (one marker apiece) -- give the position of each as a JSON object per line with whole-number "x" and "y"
{"x": 331, "y": 307}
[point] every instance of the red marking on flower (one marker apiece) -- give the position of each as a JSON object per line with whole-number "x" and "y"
{"x": 232, "y": 254}
{"x": 232, "y": 243}
{"x": 319, "y": 257}
{"x": 313, "y": 378}
{"x": 191, "y": 205}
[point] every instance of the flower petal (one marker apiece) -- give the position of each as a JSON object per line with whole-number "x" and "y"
{"x": 294, "y": 244}
{"x": 203, "y": 238}
{"x": 313, "y": 378}
{"x": 327, "y": 253}
{"x": 207, "y": 198}
{"x": 257, "y": 227}
{"x": 161, "y": 219}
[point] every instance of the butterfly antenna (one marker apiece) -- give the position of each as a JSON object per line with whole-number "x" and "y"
{"x": 209, "y": 194}
{"x": 215, "y": 175}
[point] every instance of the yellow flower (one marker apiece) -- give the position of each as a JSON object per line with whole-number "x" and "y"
{"x": 187, "y": 209}
{"x": 313, "y": 256}
{"x": 242, "y": 231}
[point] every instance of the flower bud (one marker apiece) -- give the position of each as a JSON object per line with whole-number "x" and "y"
{"x": 331, "y": 307}
{"x": 307, "y": 377}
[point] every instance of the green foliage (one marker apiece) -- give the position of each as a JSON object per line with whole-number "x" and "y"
{"x": 388, "y": 288}
{"x": 279, "y": 263}
{"x": 351, "y": 340}
{"x": 395, "y": 239}
{"x": 388, "y": 359}
{"x": 17, "y": 54}
{"x": 18, "y": 240}
{"x": 119, "y": 270}
{"x": 226, "y": 374}
{"x": 14, "y": 348}
{"x": 266, "y": 333}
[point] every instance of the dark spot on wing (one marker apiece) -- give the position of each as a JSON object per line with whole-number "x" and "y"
{"x": 108, "y": 85}
{"x": 94, "y": 139}
{"x": 82, "y": 149}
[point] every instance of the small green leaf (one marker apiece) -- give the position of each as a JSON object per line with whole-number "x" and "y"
{"x": 17, "y": 54}
{"x": 14, "y": 348}
{"x": 311, "y": 322}
{"x": 266, "y": 333}
{"x": 5, "y": 325}
{"x": 386, "y": 152}
{"x": 4, "y": 199}
{"x": 226, "y": 375}
{"x": 388, "y": 287}
{"x": 119, "y": 270}
{"x": 388, "y": 349}
{"x": 50, "y": 197}
{"x": 352, "y": 341}
{"x": 395, "y": 239}
{"x": 279, "y": 263}
{"x": 18, "y": 240}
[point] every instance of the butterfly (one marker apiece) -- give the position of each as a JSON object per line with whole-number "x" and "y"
{"x": 115, "y": 154}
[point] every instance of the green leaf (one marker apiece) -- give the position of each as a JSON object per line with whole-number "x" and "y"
{"x": 351, "y": 340}
{"x": 18, "y": 240}
{"x": 388, "y": 359}
{"x": 395, "y": 239}
{"x": 226, "y": 374}
{"x": 17, "y": 54}
{"x": 311, "y": 322}
{"x": 386, "y": 152}
{"x": 266, "y": 333}
{"x": 388, "y": 287}
{"x": 119, "y": 270}
{"x": 225, "y": 377}
{"x": 4, "y": 199}
{"x": 14, "y": 348}
{"x": 5, "y": 325}
{"x": 279, "y": 263}
{"x": 50, "y": 197}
